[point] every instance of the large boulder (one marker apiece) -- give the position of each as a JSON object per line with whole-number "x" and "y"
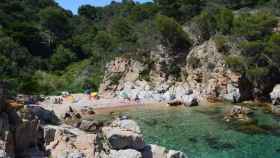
{"x": 175, "y": 154}
{"x": 155, "y": 151}
{"x": 158, "y": 151}
{"x": 45, "y": 116}
{"x": 275, "y": 95}
{"x": 189, "y": 100}
{"x": 233, "y": 94}
{"x": 127, "y": 124}
{"x": 70, "y": 142}
{"x": 119, "y": 138}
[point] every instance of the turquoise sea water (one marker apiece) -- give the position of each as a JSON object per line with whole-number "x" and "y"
{"x": 200, "y": 132}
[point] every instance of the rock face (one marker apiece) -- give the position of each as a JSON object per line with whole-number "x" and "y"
{"x": 208, "y": 74}
{"x": 204, "y": 75}
{"x": 20, "y": 134}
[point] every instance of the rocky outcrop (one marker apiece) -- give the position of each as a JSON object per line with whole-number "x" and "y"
{"x": 20, "y": 134}
{"x": 125, "y": 140}
{"x": 70, "y": 142}
{"x": 207, "y": 73}
{"x": 120, "y": 138}
{"x": 204, "y": 75}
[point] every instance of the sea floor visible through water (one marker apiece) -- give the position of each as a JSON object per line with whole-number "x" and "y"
{"x": 201, "y": 132}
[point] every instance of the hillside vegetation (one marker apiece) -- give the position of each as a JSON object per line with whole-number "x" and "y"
{"x": 45, "y": 48}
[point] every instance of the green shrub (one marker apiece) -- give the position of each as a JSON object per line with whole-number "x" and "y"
{"x": 173, "y": 36}
{"x": 221, "y": 42}
{"x": 62, "y": 57}
{"x": 236, "y": 63}
{"x": 115, "y": 78}
{"x": 145, "y": 75}
{"x": 194, "y": 62}
{"x": 254, "y": 26}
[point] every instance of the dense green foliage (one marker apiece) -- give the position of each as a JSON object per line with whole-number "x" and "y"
{"x": 45, "y": 48}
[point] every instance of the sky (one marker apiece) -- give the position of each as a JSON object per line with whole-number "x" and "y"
{"x": 73, "y": 5}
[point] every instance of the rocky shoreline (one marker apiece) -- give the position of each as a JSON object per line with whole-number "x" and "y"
{"x": 61, "y": 131}
{"x": 35, "y": 132}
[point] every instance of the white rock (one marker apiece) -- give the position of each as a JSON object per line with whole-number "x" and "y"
{"x": 275, "y": 95}
{"x": 233, "y": 94}
{"x": 154, "y": 151}
{"x": 175, "y": 154}
{"x": 129, "y": 153}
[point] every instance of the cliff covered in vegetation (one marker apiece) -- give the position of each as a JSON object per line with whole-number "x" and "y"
{"x": 45, "y": 48}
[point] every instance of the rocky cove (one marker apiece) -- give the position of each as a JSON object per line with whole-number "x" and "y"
{"x": 138, "y": 109}
{"x": 206, "y": 131}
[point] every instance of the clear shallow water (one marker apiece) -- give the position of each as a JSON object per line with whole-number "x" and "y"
{"x": 201, "y": 133}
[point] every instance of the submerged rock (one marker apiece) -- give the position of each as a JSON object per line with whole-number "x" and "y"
{"x": 239, "y": 113}
{"x": 190, "y": 100}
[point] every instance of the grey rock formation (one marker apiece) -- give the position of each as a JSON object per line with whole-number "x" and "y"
{"x": 123, "y": 139}
{"x": 45, "y": 116}
{"x": 204, "y": 75}
{"x": 127, "y": 124}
